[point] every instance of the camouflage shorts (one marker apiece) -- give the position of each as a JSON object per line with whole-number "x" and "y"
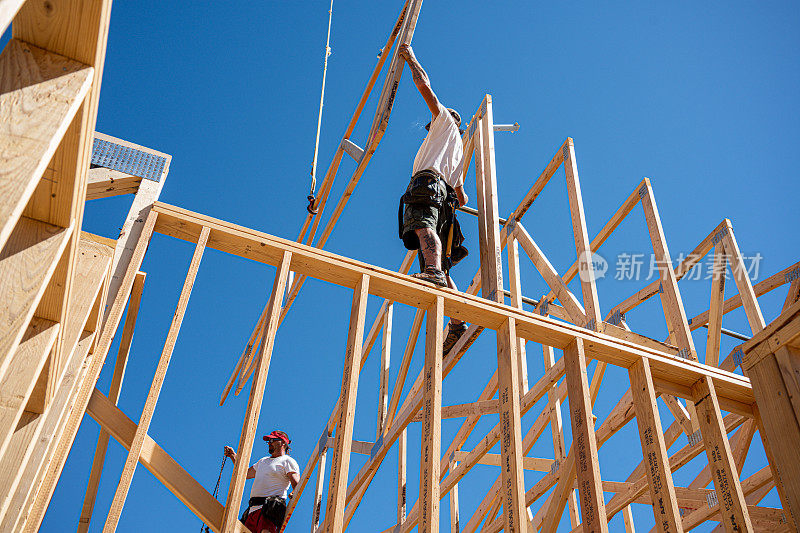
{"x": 419, "y": 217}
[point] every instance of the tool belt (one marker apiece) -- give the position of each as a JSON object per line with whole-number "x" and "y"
{"x": 424, "y": 189}
{"x": 272, "y": 507}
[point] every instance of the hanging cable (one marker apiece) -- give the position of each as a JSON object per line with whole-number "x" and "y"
{"x": 216, "y": 489}
{"x": 312, "y": 208}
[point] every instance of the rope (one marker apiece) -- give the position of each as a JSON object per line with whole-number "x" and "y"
{"x": 311, "y": 196}
{"x": 216, "y": 489}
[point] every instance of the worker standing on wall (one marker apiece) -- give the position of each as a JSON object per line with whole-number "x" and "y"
{"x": 427, "y": 209}
{"x": 271, "y": 479}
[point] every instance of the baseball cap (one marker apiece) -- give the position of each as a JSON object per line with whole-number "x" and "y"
{"x": 278, "y": 435}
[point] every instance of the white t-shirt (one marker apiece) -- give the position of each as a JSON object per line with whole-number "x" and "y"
{"x": 441, "y": 151}
{"x": 271, "y": 477}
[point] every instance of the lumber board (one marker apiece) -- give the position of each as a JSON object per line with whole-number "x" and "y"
{"x": 40, "y": 93}
{"x": 554, "y": 400}
{"x": 583, "y": 248}
{"x": 407, "y": 21}
{"x": 478, "y": 408}
{"x": 106, "y": 183}
{"x": 358, "y": 446}
{"x": 743, "y": 284}
{"x": 551, "y": 277}
{"x": 587, "y": 466}
{"x": 540, "y": 182}
{"x": 250, "y": 362}
{"x": 326, "y": 266}
{"x": 113, "y": 395}
{"x": 513, "y": 483}
{"x": 720, "y": 460}
{"x": 27, "y": 263}
{"x": 413, "y": 336}
{"x": 703, "y": 512}
{"x": 762, "y": 287}
{"x": 716, "y": 307}
{"x": 383, "y": 377}
{"x": 662, "y": 488}
{"x": 402, "y": 467}
{"x": 114, "y": 514}
{"x": 76, "y": 29}
{"x": 680, "y": 270}
{"x": 455, "y": 525}
{"x": 147, "y": 193}
{"x": 318, "y": 489}
{"x": 779, "y": 430}
{"x": 670, "y": 297}
{"x": 333, "y": 168}
{"x": 616, "y": 219}
{"x": 17, "y": 385}
{"x": 69, "y": 428}
{"x": 94, "y": 260}
{"x": 515, "y": 286}
{"x": 392, "y": 80}
{"x": 630, "y": 526}
{"x": 155, "y": 459}
{"x": 431, "y": 441}
{"x": 793, "y": 295}
{"x": 488, "y": 216}
{"x": 253, "y": 410}
{"x": 536, "y": 392}
{"x": 332, "y": 419}
{"x": 340, "y": 460}
{"x": 43, "y": 429}
{"x": 562, "y": 478}
{"x": 252, "y": 343}
{"x": 484, "y": 259}
{"x": 537, "y": 464}
{"x": 89, "y": 277}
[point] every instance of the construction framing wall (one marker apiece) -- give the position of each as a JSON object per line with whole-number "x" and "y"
{"x": 64, "y": 293}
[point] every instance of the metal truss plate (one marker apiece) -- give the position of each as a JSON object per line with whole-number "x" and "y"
{"x": 128, "y": 160}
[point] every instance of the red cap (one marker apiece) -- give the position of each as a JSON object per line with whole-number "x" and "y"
{"x": 278, "y": 435}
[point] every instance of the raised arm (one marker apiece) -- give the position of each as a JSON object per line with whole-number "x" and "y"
{"x": 421, "y": 79}
{"x": 251, "y": 472}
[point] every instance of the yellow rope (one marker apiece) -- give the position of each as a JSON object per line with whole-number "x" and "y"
{"x": 321, "y": 102}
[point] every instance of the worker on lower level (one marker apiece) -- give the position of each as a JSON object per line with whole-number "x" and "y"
{"x": 436, "y": 189}
{"x": 271, "y": 479}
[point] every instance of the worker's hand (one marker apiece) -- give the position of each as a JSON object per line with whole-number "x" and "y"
{"x": 229, "y": 452}
{"x": 406, "y": 52}
{"x": 462, "y": 196}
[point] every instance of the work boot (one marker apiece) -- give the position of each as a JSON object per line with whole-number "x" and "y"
{"x": 432, "y": 275}
{"x": 454, "y": 332}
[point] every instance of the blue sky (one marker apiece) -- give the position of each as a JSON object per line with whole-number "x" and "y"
{"x": 698, "y": 97}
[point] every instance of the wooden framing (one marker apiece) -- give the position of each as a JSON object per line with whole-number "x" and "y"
{"x": 113, "y": 396}
{"x": 340, "y": 462}
{"x": 155, "y": 389}
{"x": 662, "y": 489}
{"x": 256, "y": 396}
{"x": 55, "y": 338}
{"x": 431, "y": 420}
